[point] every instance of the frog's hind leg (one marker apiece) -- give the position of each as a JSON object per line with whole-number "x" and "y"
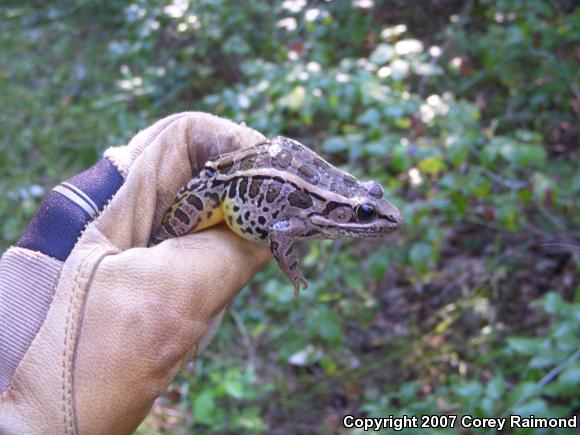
{"x": 196, "y": 206}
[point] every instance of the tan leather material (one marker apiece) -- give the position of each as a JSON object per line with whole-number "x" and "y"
{"x": 125, "y": 318}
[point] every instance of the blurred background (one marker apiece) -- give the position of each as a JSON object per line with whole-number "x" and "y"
{"x": 466, "y": 111}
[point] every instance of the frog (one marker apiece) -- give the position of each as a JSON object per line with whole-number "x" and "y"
{"x": 275, "y": 193}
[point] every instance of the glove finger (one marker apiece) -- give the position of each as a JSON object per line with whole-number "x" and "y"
{"x": 209, "y": 268}
{"x": 175, "y": 151}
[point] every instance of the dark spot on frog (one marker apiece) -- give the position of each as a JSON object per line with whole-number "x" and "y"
{"x": 289, "y": 251}
{"x": 261, "y": 220}
{"x": 254, "y": 188}
{"x": 214, "y": 198}
{"x": 274, "y": 189}
{"x": 236, "y": 208}
{"x": 266, "y": 209}
{"x": 243, "y": 188}
{"x": 230, "y": 220}
{"x": 191, "y": 188}
{"x": 239, "y": 220}
{"x": 300, "y": 199}
{"x": 308, "y": 173}
{"x": 226, "y": 165}
{"x": 195, "y": 201}
{"x": 182, "y": 216}
{"x": 253, "y": 223}
{"x": 209, "y": 214}
{"x": 331, "y": 206}
{"x": 263, "y": 233}
{"x": 275, "y": 214}
{"x": 249, "y": 230}
{"x": 296, "y": 146}
{"x": 232, "y": 190}
{"x": 248, "y": 162}
{"x": 169, "y": 229}
{"x": 349, "y": 180}
{"x": 283, "y": 160}
{"x": 320, "y": 164}
{"x": 247, "y": 215}
{"x": 341, "y": 189}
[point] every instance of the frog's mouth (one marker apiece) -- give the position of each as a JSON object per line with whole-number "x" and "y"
{"x": 378, "y": 227}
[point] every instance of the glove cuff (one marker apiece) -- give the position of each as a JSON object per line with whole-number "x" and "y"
{"x": 27, "y": 283}
{"x": 66, "y": 211}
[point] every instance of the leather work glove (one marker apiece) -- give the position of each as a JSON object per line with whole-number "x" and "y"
{"x": 93, "y": 324}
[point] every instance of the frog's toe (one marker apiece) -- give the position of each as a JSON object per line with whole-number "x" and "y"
{"x": 300, "y": 283}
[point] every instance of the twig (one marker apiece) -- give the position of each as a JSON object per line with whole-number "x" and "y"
{"x": 245, "y": 335}
{"x": 510, "y": 184}
{"x": 547, "y": 379}
{"x": 559, "y": 225}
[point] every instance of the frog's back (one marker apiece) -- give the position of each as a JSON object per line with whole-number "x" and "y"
{"x": 282, "y": 157}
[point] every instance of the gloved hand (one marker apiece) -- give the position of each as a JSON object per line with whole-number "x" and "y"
{"x": 94, "y": 325}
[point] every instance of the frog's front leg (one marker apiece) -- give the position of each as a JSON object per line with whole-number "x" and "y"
{"x": 282, "y": 236}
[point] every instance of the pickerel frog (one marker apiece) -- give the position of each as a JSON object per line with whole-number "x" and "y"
{"x": 276, "y": 192}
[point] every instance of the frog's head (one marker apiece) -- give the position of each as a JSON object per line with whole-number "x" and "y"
{"x": 367, "y": 214}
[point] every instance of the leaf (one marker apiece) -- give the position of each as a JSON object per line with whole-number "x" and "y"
{"x": 523, "y": 391}
{"x": 421, "y": 255}
{"x": 518, "y": 153}
{"x": 535, "y": 407}
{"x": 553, "y": 303}
{"x": 369, "y": 117}
{"x": 409, "y": 391}
{"x": 495, "y": 387}
{"x": 529, "y": 136}
{"x": 542, "y": 361}
{"x": 544, "y": 186}
{"x": 432, "y": 165}
{"x": 458, "y": 151}
{"x": 204, "y": 408}
{"x": 571, "y": 375}
{"x": 469, "y": 389}
{"x": 400, "y": 160}
{"x": 382, "y": 54}
{"x": 233, "y": 384}
{"x": 334, "y": 144}
{"x": 295, "y": 100}
{"x": 524, "y": 346}
{"x": 355, "y": 281}
{"x": 377, "y": 148}
{"x": 325, "y": 324}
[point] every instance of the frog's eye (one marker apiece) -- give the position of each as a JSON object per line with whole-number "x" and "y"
{"x": 341, "y": 215}
{"x": 366, "y": 212}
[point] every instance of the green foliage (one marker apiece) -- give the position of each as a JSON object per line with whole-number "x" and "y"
{"x": 465, "y": 111}
{"x": 537, "y": 376}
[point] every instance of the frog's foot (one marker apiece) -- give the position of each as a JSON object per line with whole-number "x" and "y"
{"x": 299, "y": 283}
{"x": 282, "y": 245}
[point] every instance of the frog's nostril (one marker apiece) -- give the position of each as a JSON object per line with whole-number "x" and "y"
{"x": 395, "y": 218}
